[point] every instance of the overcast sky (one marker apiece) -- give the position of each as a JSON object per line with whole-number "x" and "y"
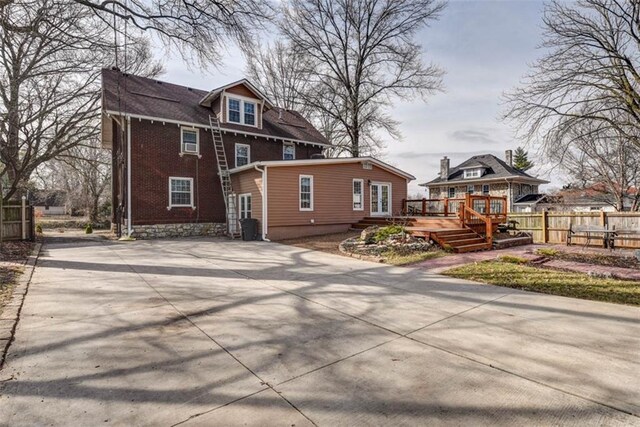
{"x": 485, "y": 47}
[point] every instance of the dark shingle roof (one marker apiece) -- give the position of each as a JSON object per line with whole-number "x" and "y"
{"x": 495, "y": 168}
{"x": 152, "y": 98}
{"x": 529, "y": 198}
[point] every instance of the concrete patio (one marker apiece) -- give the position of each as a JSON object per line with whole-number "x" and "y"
{"x": 217, "y": 332}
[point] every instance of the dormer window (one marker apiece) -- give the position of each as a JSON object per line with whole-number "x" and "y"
{"x": 472, "y": 173}
{"x": 241, "y": 111}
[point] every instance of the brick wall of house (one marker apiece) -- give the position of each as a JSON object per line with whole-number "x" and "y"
{"x": 156, "y": 157}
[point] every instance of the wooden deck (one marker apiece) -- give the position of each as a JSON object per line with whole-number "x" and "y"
{"x": 449, "y": 233}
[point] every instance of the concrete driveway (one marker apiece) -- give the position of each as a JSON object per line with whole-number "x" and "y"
{"x": 216, "y": 332}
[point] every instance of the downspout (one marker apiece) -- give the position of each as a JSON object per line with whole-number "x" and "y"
{"x": 264, "y": 201}
{"x": 129, "y": 228}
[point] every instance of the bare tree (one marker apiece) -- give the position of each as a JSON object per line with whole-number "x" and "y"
{"x": 590, "y": 73}
{"x": 51, "y": 52}
{"x": 601, "y": 160}
{"x": 47, "y": 84}
{"x": 361, "y": 55}
{"x": 194, "y": 29}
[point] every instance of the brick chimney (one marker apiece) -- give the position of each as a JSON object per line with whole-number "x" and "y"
{"x": 444, "y": 168}
{"x": 508, "y": 157}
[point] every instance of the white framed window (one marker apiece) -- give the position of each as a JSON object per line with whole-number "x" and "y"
{"x": 244, "y": 203}
{"x": 485, "y": 189}
{"x": 288, "y": 151}
{"x": 358, "y": 194}
{"x": 452, "y": 192}
{"x": 472, "y": 173}
{"x": 243, "y": 154}
{"x": 306, "y": 192}
{"x": 241, "y": 111}
{"x": 470, "y": 189}
{"x": 180, "y": 192}
{"x": 189, "y": 140}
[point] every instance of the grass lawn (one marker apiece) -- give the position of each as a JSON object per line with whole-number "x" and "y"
{"x": 528, "y": 278}
{"x": 395, "y": 258}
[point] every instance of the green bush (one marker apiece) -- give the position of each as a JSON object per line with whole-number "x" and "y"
{"x": 547, "y": 252}
{"x": 512, "y": 259}
{"x": 384, "y": 233}
{"x": 38, "y": 228}
{"x": 88, "y": 229}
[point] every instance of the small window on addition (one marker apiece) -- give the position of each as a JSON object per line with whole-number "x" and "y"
{"x": 306, "y": 192}
{"x": 358, "y": 192}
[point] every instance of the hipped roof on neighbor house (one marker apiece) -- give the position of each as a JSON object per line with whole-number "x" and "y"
{"x": 331, "y": 161}
{"x": 494, "y": 169}
{"x": 141, "y": 97}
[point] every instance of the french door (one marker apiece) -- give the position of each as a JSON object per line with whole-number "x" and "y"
{"x": 380, "y": 199}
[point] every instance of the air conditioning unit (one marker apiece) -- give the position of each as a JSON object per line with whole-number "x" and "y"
{"x": 190, "y": 147}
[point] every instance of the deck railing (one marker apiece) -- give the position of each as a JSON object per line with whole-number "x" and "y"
{"x": 493, "y": 206}
{"x": 476, "y": 220}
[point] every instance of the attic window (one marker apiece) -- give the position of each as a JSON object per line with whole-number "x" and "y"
{"x": 472, "y": 173}
{"x": 241, "y": 111}
{"x": 367, "y": 165}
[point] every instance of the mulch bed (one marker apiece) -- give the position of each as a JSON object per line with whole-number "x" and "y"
{"x": 12, "y": 256}
{"x": 598, "y": 259}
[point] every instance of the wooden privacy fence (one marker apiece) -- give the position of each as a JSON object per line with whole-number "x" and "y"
{"x": 552, "y": 227}
{"x": 17, "y": 222}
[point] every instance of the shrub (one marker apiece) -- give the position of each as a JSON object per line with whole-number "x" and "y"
{"x": 512, "y": 259}
{"x": 547, "y": 252}
{"x": 384, "y": 232}
{"x": 39, "y": 228}
{"x": 88, "y": 229}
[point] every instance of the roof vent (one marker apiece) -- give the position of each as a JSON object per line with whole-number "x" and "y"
{"x": 279, "y": 113}
{"x": 159, "y": 82}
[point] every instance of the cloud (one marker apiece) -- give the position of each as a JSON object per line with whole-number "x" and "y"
{"x": 474, "y": 136}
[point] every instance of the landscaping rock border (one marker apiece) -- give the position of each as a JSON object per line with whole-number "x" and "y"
{"x": 514, "y": 241}
{"x": 11, "y": 312}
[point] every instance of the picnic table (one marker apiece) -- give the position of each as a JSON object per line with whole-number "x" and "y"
{"x": 591, "y": 232}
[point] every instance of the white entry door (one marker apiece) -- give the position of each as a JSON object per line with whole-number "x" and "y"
{"x": 380, "y": 199}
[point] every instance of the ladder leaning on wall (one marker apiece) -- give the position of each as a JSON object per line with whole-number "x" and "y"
{"x": 225, "y": 178}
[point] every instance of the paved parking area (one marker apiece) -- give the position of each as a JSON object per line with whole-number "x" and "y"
{"x": 216, "y": 332}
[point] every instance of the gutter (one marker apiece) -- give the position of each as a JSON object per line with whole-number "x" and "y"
{"x": 129, "y": 228}
{"x": 264, "y": 201}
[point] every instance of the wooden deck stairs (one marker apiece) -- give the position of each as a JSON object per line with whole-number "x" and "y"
{"x": 446, "y": 232}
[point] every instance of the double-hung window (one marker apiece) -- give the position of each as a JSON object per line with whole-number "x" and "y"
{"x": 306, "y": 192}
{"x": 288, "y": 151}
{"x": 472, "y": 173}
{"x": 470, "y": 188}
{"x": 245, "y": 205}
{"x": 243, "y": 154}
{"x": 189, "y": 141}
{"x": 241, "y": 111}
{"x": 180, "y": 192}
{"x": 485, "y": 189}
{"x": 452, "y": 192}
{"x": 358, "y": 194}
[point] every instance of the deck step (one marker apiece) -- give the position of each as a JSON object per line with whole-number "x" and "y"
{"x": 473, "y": 248}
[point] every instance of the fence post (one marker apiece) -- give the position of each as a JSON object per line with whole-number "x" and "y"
{"x": 24, "y": 217}
{"x": 603, "y": 218}
{"x": 446, "y": 206}
{"x": 545, "y": 226}
{"x": 424, "y": 206}
{"x": 404, "y": 211}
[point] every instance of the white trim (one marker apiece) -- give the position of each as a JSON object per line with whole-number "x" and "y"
{"x": 129, "y": 215}
{"x": 235, "y": 153}
{"x": 244, "y": 195}
{"x": 337, "y": 160}
{"x": 242, "y": 101}
{"x": 197, "y": 132}
{"x": 353, "y": 181}
{"x": 300, "y": 177}
{"x": 250, "y": 86}
{"x": 205, "y": 126}
{"x": 184, "y": 178}
{"x": 288, "y": 144}
{"x": 473, "y": 173}
{"x": 389, "y": 202}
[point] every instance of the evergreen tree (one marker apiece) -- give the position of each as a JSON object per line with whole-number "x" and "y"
{"x": 521, "y": 160}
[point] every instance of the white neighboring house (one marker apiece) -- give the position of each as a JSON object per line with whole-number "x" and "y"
{"x": 48, "y": 203}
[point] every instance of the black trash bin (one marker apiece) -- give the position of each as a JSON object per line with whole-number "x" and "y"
{"x": 249, "y": 228}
